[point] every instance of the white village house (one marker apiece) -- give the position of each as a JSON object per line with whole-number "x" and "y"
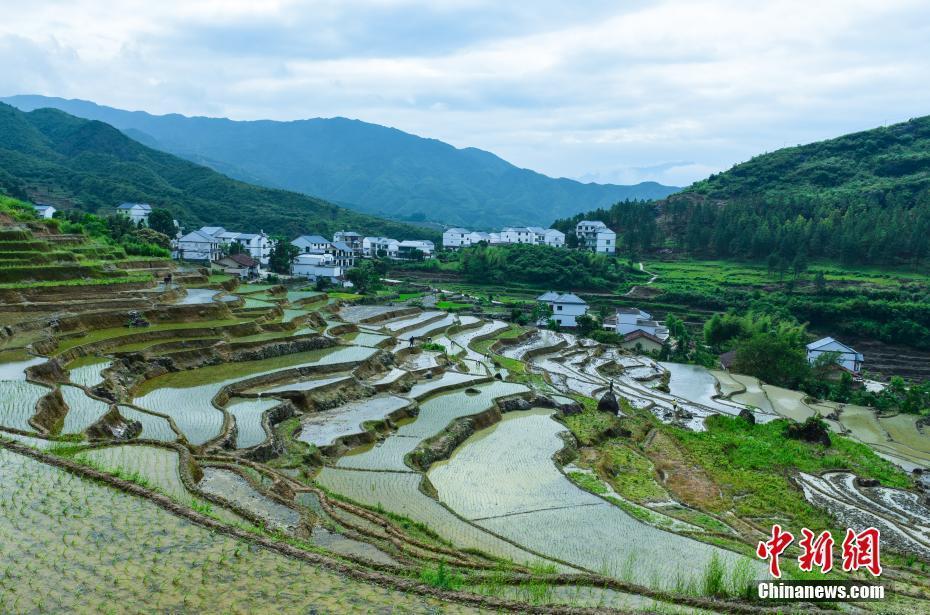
{"x": 517, "y": 234}
{"x": 566, "y": 308}
{"x": 209, "y": 243}
{"x": 846, "y": 357}
{"x": 44, "y": 211}
{"x": 455, "y": 238}
{"x": 409, "y": 247}
{"x": 476, "y": 237}
{"x": 199, "y": 246}
{"x": 635, "y": 319}
{"x": 374, "y": 247}
{"x": 595, "y": 236}
{"x": 351, "y": 239}
{"x": 256, "y": 245}
{"x": 137, "y": 212}
{"x": 548, "y": 237}
{"x": 638, "y": 329}
{"x": 311, "y": 244}
{"x": 317, "y": 266}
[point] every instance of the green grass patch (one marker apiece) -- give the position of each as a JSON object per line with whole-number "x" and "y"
{"x": 345, "y": 296}
{"x": 590, "y": 425}
{"x": 753, "y": 463}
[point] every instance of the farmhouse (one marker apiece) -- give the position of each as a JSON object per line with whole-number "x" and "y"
{"x": 311, "y": 244}
{"x": 455, "y": 238}
{"x": 199, "y": 246}
{"x": 256, "y": 245}
{"x": 595, "y": 236}
{"x": 548, "y": 237}
{"x": 343, "y": 253}
{"x": 317, "y": 266}
{"x": 517, "y": 234}
{"x": 566, "y": 308}
{"x": 137, "y": 212}
{"x": 409, "y": 247}
{"x": 44, "y": 211}
{"x": 373, "y": 247}
{"x": 633, "y": 320}
{"x": 351, "y": 239}
{"x": 641, "y": 341}
{"x": 241, "y": 265}
{"x": 846, "y": 357}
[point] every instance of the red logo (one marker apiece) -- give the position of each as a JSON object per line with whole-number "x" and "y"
{"x": 860, "y": 550}
{"x": 773, "y": 548}
{"x": 816, "y": 551}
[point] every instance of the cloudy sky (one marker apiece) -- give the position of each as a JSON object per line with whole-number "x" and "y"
{"x": 601, "y": 91}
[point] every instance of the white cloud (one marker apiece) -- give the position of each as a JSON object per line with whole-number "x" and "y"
{"x": 585, "y": 90}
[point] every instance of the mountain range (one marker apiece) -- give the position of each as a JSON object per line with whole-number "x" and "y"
{"x": 367, "y": 167}
{"x": 49, "y": 156}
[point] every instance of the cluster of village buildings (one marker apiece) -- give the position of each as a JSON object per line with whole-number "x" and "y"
{"x": 591, "y": 234}
{"x": 320, "y": 258}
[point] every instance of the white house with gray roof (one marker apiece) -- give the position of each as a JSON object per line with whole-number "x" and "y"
{"x": 44, "y": 211}
{"x": 137, "y": 212}
{"x": 846, "y": 357}
{"x": 312, "y": 244}
{"x": 566, "y": 308}
{"x": 595, "y": 236}
{"x": 455, "y": 238}
{"x": 199, "y": 246}
{"x": 630, "y": 320}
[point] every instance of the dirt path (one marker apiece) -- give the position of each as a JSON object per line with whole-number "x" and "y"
{"x": 633, "y": 291}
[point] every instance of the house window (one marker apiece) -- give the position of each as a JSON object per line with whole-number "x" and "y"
{"x": 558, "y": 308}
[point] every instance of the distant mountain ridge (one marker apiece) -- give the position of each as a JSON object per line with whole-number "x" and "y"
{"x": 68, "y": 161}
{"x": 368, "y": 167}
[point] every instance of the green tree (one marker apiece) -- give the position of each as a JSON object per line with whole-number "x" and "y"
{"x": 773, "y": 358}
{"x": 364, "y": 277}
{"x": 161, "y": 220}
{"x": 282, "y": 255}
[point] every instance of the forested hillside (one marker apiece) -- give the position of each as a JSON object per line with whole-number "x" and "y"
{"x": 368, "y": 167}
{"x": 860, "y": 198}
{"x": 51, "y": 156}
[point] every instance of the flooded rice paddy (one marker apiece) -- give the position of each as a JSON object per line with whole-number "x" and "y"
{"x": 86, "y": 371}
{"x": 230, "y": 486}
{"x": 187, "y": 396}
{"x": 504, "y": 479}
{"x": 248, "y": 414}
{"x": 153, "y": 427}
{"x": 435, "y": 414}
{"x": 322, "y": 428}
{"x": 83, "y": 411}
{"x": 82, "y": 547}
{"x": 399, "y": 492}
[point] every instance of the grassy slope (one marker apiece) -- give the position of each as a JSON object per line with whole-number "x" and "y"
{"x": 50, "y": 155}
{"x": 891, "y": 159}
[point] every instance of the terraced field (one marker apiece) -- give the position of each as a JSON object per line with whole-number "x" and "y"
{"x": 457, "y": 479}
